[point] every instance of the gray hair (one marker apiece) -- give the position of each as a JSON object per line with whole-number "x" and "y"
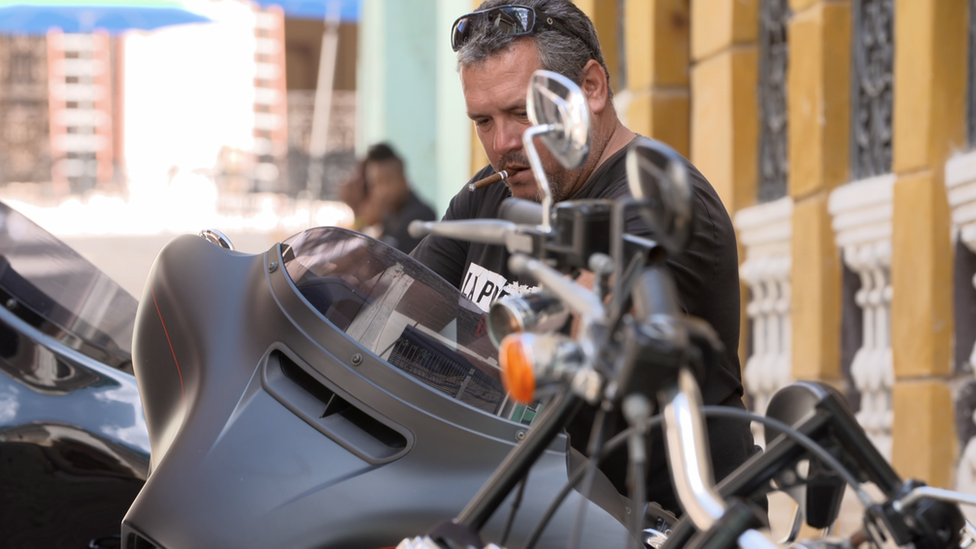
{"x": 559, "y": 52}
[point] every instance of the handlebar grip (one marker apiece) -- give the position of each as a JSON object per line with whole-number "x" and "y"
{"x": 737, "y": 525}
{"x": 521, "y": 211}
{"x": 484, "y": 231}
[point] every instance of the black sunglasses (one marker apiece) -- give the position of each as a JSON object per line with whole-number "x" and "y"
{"x": 510, "y": 19}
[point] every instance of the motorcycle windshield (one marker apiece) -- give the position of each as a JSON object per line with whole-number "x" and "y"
{"x": 402, "y": 312}
{"x": 55, "y": 289}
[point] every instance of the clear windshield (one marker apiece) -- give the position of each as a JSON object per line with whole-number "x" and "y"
{"x": 402, "y": 312}
{"x": 45, "y": 282}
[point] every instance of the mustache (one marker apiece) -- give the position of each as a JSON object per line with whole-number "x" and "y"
{"x": 508, "y": 160}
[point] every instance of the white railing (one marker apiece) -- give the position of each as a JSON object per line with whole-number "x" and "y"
{"x": 960, "y": 180}
{"x": 862, "y": 213}
{"x": 765, "y": 232}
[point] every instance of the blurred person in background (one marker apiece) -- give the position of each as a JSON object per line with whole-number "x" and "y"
{"x": 381, "y": 198}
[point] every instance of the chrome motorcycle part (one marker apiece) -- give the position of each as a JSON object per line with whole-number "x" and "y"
{"x": 561, "y": 120}
{"x": 941, "y": 494}
{"x": 688, "y": 449}
{"x": 530, "y": 362}
{"x": 216, "y": 237}
{"x": 556, "y": 100}
{"x": 535, "y": 311}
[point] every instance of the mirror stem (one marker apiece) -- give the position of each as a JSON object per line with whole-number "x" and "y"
{"x": 537, "y": 170}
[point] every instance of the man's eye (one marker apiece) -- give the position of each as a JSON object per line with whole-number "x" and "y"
{"x": 482, "y": 122}
{"x": 522, "y": 114}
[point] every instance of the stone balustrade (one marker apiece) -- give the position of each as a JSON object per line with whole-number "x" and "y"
{"x": 765, "y": 232}
{"x": 862, "y": 213}
{"x": 960, "y": 181}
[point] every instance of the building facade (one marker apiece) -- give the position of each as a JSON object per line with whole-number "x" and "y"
{"x": 59, "y": 99}
{"x": 839, "y": 136}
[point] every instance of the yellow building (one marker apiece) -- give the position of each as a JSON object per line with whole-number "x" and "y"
{"x": 841, "y": 135}
{"x": 836, "y": 133}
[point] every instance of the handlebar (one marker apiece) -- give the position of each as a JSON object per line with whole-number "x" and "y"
{"x": 687, "y": 449}
{"x": 484, "y": 231}
{"x": 921, "y": 492}
{"x": 650, "y": 357}
{"x": 521, "y": 211}
{"x": 576, "y": 297}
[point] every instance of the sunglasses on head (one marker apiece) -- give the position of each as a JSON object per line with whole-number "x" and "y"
{"x": 511, "y": 19}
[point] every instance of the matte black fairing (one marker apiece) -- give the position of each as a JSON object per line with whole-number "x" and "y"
{"x": 271, "y": 426}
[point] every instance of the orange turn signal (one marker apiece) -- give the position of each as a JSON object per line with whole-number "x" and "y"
{"x": 518, "y": 375}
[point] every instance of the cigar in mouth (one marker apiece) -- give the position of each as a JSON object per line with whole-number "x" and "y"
{"x": 491, "y": 179}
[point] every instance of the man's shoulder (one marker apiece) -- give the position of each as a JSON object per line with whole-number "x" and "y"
{"x": 609, "y": 181}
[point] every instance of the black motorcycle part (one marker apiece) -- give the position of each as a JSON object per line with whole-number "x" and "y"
{"x": 518, "y": 463}
{"x": 724, "y": 534}
{"x": 74, "y": 450}
{"x": 582, "y": 228}
{"x": 819, "y": 492}
{"x": 926, "y": 524}
{"x": 60, "y": 488}
{"x": 272, "y": 425}
{"x": 820, "y": 412}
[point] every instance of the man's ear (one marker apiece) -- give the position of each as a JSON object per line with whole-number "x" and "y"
{"x": 594, "y": 86}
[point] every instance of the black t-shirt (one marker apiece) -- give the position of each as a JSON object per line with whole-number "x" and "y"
{"x": 707, "y": 278}
{"x": 395, "y": 224}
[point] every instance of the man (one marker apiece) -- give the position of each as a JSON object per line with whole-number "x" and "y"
{"x": 378, "y": 193}
{"x": 498, "y": 49}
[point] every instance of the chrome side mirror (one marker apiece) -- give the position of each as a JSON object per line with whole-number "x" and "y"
{"x": 658, "y": 179}
{"x": 216, "y": 237}
{"x": 560, "y": 118}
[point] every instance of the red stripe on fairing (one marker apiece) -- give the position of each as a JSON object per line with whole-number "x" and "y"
{"x": 166, "y": 332}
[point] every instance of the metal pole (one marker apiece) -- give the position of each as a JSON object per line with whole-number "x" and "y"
{"x": 322, "y": 106}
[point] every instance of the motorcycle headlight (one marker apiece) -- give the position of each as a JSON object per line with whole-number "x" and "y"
{"x": 536, "y": 311}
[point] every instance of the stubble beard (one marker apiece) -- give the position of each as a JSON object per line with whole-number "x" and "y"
{"x": 563, "y": 183}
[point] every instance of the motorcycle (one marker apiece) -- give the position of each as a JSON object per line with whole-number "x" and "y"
{"x": 641, "y": 348}
{"x": 333, "y": 392}
{"x": 329, "y": 392}
{"x": 74, "y": 447}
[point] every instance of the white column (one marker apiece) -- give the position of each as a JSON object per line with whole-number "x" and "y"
{"x": 765, "y": 232}
{"x": 862, "y": 213}
{"x": 960, "y": 180}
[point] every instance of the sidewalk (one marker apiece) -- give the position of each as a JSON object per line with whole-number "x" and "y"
{"x": 126, "y": 259}
{"x": 121, "y": 235}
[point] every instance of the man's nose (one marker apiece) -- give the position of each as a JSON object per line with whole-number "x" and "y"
{"x": 508, "y": 137}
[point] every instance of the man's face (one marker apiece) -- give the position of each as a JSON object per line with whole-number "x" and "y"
{"x": 494, "y": 94}
{"x": 386, "y": 182}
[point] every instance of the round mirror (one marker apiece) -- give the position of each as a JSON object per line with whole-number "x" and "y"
{"x": 658, "y": 177}
{"x": 557, "y": 101}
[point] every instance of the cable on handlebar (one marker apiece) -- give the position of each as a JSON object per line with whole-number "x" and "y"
{"x": 516, "y": 503}
{"x": 577, "y": 475}
{"x": 710, "y": 411}
{"x": 802, "y": 439}
{"x": 593, "y": 445}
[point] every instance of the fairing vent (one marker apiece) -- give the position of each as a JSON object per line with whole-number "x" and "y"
{"x": 135, "y": 541}
{"x": 351, "y": 426}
